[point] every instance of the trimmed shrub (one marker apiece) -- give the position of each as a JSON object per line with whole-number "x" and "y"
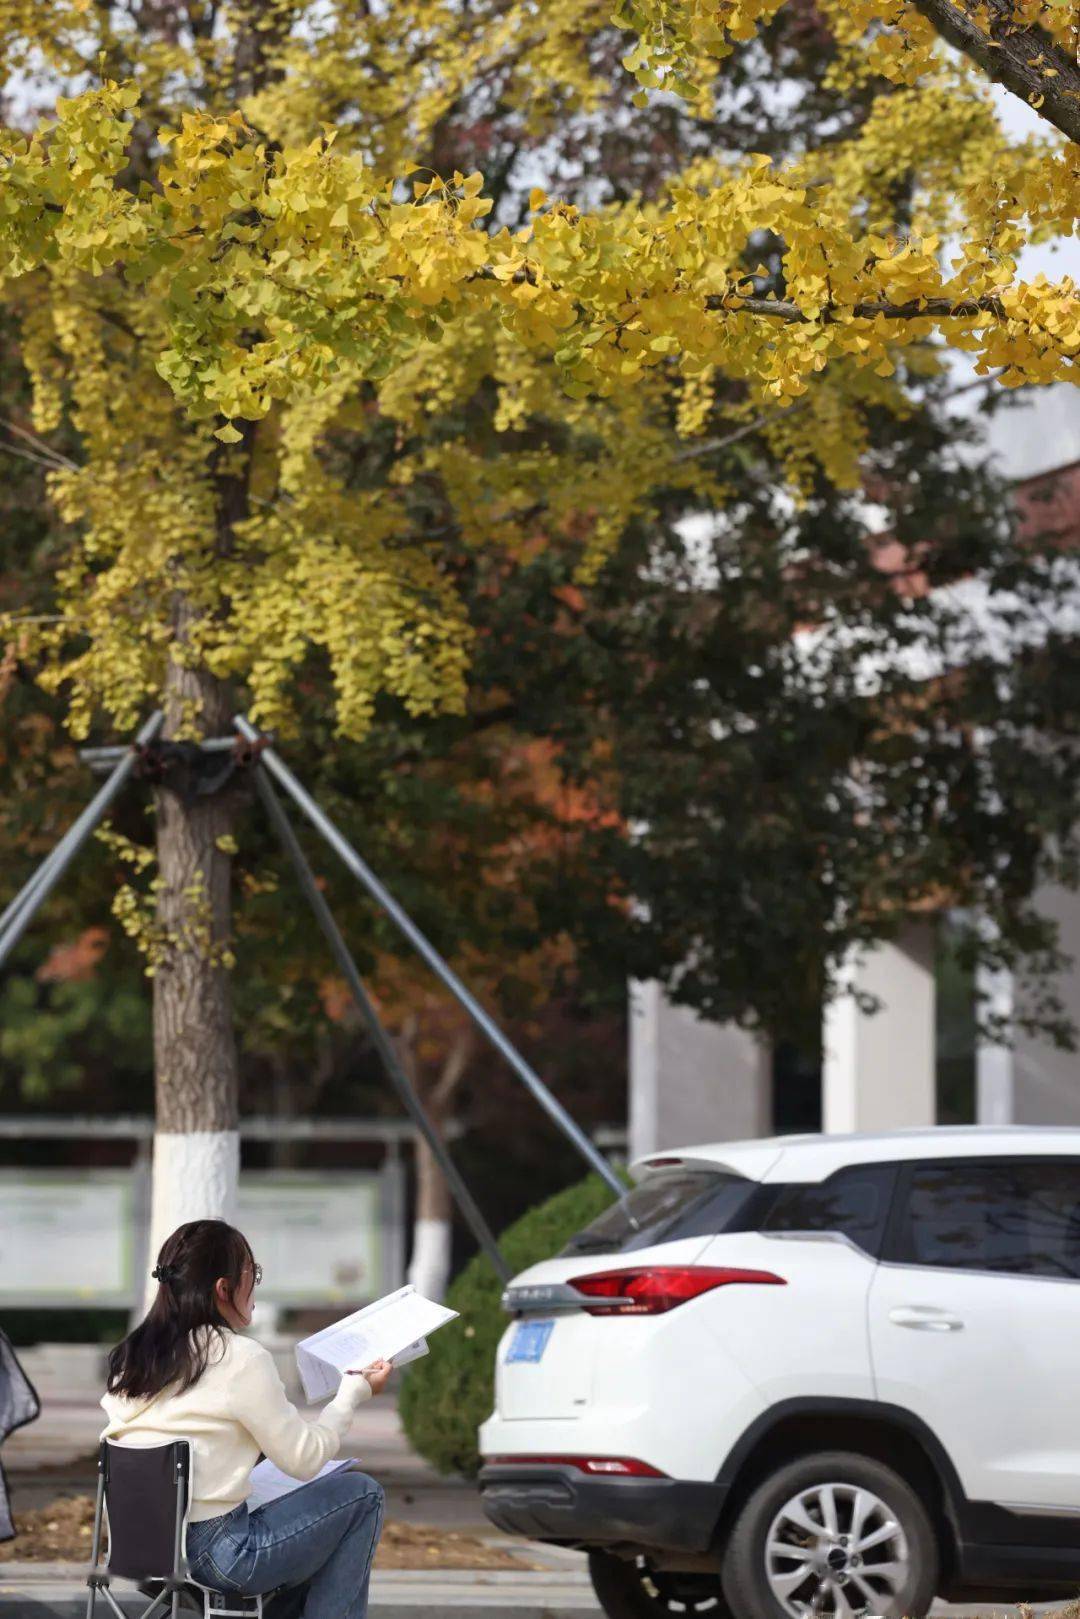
{"x": 447, "y": 1395}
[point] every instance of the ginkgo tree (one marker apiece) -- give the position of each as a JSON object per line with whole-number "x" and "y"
{"x": 231, "y": 238}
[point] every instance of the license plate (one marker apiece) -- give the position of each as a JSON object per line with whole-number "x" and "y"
{"x": 529, "y": 1341}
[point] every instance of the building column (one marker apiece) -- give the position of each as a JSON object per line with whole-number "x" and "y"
{"x": 1031, "y": 1081}
{"x": 879, "y": 1067}
{"x": 692, "y": 1081}
{"x": 995, "y": 1101}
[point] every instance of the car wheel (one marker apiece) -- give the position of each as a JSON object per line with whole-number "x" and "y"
{"x": 835, "y": 1535}
{"x": 629, "y": 1589}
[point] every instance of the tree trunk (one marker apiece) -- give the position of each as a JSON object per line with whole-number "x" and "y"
{"x": 196, "y": 1145}
{"x": 429, "y": 1265}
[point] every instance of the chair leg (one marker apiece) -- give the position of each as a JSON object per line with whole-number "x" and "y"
{"x": 99, "y": 1504}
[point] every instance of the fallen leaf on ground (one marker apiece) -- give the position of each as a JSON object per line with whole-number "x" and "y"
{"x": 61, "y": 1533}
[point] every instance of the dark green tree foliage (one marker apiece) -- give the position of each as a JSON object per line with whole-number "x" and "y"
{"x": 814, "y": 742}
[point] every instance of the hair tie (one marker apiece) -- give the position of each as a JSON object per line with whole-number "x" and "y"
{"x": 164, "y": 1273}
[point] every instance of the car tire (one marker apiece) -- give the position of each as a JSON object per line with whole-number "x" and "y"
{"x": 852, "y": 1501}
{"x": 627, "y": 1588}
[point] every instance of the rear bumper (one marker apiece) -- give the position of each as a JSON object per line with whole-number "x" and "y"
{"x": 559, "y": 1503}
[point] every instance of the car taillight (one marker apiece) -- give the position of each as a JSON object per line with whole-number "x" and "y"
{"x": 661, "y": 1287}
{"x": 619, "y": 1466}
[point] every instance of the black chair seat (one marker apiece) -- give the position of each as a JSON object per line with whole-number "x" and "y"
{"x": 143, "y": 1493}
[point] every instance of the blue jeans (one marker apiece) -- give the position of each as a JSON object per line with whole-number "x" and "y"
{"x": 323, "y": 1535}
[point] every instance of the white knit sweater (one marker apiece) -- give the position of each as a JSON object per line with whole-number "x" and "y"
{"x": 237, "y": 1408}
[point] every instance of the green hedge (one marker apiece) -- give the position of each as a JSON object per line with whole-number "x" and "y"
{"x": 449, "y": 1393}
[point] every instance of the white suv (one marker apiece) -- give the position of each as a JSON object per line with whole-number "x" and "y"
{"x": 817, "y": 1375}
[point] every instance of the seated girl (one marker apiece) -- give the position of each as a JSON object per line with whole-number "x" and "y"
{"x": 188, "y": 1372}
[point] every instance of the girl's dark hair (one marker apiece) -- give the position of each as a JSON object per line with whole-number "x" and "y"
{"x": 167, "y": 1348}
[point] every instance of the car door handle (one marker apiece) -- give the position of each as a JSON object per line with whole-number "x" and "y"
{"x": 924, "y": 1318}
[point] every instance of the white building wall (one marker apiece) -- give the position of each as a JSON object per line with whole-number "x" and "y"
{"x": 879, "y": 1067}
{"x": 691, "y": 1080}
{"x": 1032, "y": 1082}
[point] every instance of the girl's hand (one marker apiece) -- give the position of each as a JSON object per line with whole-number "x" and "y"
{"x": 375, "y": 1374}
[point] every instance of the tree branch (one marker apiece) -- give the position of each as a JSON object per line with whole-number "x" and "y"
{"x": 1017, "y": 57}
{"x": 915, "y": 309}
{"x": 784, "y": 309}
{"x": 44, "y": 451}
{"x": 712, "y": 444}
{"x": 708, "y": 446}
{"x": 453, "y": 1071}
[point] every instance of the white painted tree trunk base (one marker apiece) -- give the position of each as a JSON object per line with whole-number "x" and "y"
{"x": 195, "y": 1176}
{"x": 429, "y": 1267}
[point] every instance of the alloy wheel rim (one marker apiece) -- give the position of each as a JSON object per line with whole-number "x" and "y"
{"x": 836, "y": 1551}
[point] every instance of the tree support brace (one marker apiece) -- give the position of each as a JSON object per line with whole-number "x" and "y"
{"x": 423, "y": 946}
{"x": 381, "y": 1040}
{"x": 26, "y": 904}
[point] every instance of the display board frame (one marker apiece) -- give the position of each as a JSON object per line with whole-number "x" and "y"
{"x": 379, "y": 1268}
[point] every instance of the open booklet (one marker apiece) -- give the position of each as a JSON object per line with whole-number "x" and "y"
{"x": 394, "y": 1328}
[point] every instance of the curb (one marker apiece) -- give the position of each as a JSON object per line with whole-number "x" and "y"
{"x": 45, "y": 1604}
{"x": 56, "y": 1591}
{"x": 70, "y": 1607}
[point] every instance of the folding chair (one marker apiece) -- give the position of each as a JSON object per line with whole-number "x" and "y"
{"x": 143, "y": 1494}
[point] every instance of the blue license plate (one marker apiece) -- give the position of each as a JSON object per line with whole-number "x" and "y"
{"x": 529, "y": 1341}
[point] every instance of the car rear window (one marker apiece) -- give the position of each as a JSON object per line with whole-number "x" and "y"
{"x": 664, "y": 1207}
{"x": 852, "y": 1203}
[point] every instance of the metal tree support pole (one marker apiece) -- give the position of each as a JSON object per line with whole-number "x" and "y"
{"x": 21, "y": 912}
{"x": 344, "y": 850}
{"x": 413, "y": 1105}
{"x": 29, "y": 887}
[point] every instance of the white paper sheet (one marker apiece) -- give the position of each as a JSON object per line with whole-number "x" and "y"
{"x": 269, "y": 1483}
{"x": 413, "y": 1352}
{"x": 393, "y": 1328}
